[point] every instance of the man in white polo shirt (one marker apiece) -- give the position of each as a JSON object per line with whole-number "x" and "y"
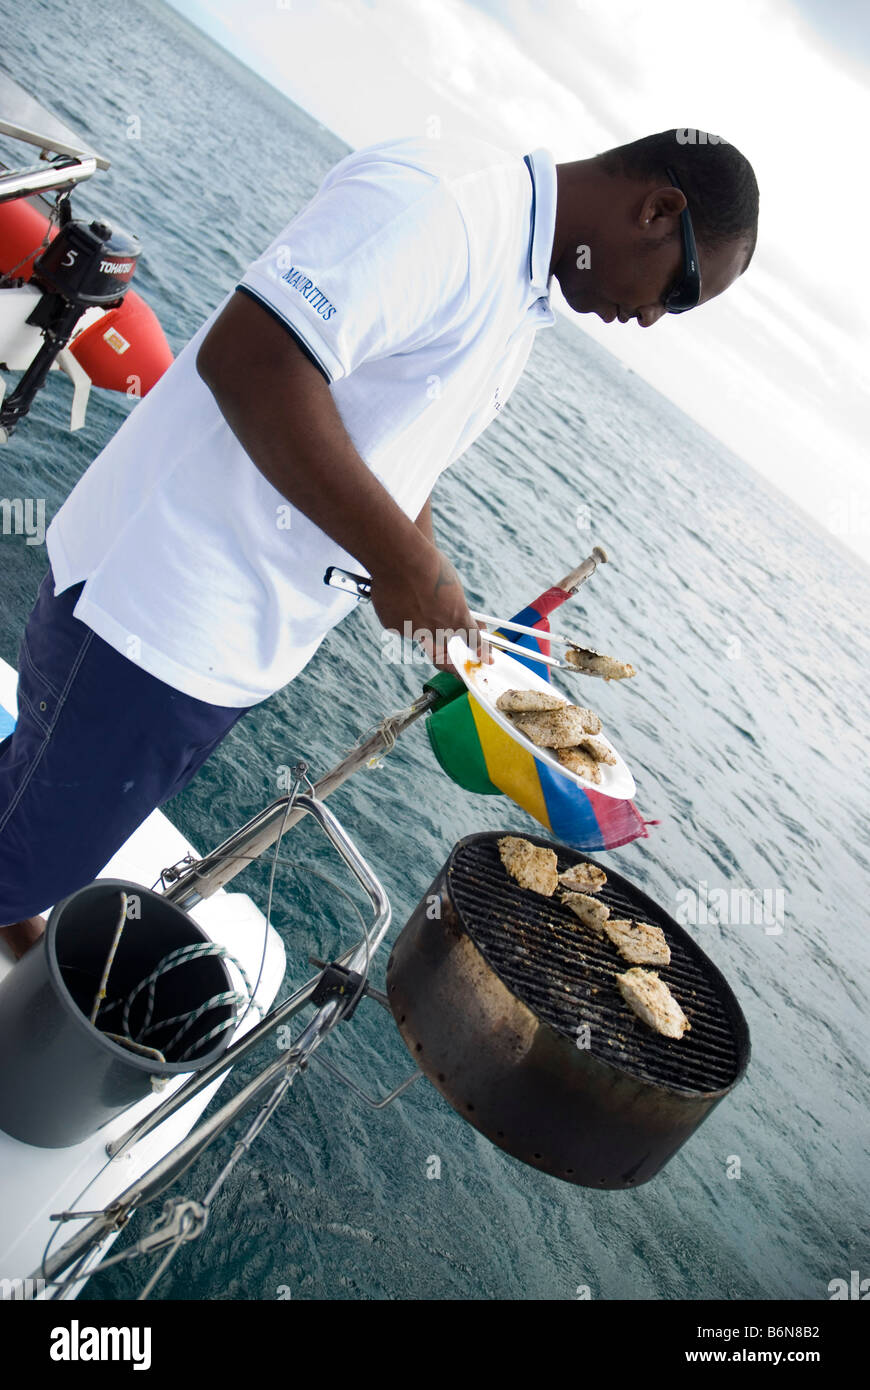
{"x": 304, "y": 426}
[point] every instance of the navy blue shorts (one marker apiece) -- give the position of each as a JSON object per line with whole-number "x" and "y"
{"x": 99, "y": 743}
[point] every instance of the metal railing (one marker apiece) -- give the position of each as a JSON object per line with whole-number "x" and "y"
{"x": 43, "y": 178}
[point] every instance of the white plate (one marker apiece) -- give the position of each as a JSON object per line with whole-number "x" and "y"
{"x": 487, "y": 682}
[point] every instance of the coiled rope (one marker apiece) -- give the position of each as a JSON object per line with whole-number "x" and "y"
{"x": 170, "y": 961}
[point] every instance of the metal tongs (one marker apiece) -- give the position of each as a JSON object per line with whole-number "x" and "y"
{"x": 495, "y": 639}
{"x": 581, "y": 668}
{"x": 361, "y": 586}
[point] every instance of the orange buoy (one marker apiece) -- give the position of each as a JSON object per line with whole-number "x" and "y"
{"x": 125, "y": 350}
{"x": 22, "y": 230}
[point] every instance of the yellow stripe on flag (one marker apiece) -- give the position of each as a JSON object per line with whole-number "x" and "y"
{"x": 511, "y": 767}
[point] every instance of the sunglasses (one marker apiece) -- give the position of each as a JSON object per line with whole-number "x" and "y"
{"x": 687, "y": 291}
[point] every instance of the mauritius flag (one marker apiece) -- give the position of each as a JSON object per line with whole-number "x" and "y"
{"x": 477, "y": 754}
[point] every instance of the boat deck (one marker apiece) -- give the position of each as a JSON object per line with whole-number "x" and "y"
{"x": 37, "y": 1182}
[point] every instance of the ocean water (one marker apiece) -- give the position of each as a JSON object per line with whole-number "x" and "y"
{"x": 745, "y": 728}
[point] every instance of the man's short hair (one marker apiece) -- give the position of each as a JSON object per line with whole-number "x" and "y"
{"x": 718, "y": 181}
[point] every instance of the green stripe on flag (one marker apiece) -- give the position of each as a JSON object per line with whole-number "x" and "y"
{"x": 455, "y": 743}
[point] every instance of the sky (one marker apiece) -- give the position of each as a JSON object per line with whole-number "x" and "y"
{"x": 777, "y": 367}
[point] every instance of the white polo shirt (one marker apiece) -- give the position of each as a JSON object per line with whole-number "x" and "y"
{"x": 415, "y": 280}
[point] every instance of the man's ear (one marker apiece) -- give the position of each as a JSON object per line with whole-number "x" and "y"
{"x": 664, "y": 202}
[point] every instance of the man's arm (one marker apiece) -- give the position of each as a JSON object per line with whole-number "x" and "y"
{"x": 424, "y": 521}
{"x": 280, "y": 408}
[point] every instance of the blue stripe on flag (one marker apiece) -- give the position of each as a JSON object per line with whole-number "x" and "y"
{"x": 572, "y": 818}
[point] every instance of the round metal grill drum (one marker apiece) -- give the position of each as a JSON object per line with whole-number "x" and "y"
{"x": 492, "y": 987}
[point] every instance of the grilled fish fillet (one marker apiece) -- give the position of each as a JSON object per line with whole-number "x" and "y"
{"x": 528, "y": 701}
{"x": 583, "y": 878}
{"x": 581, "y": 763}
{"x": 558, "y": 728}
{"x": 596, "y": 664}
{"x": 531, "y": 865}
{"x": 653, "y": 1002}
{"x": 638, "y": 942}
{"x": 596, "y": 748}
{"x": 591, "y": 913}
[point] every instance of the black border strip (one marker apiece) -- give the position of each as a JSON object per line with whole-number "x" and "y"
{"x": 528, "y": 163}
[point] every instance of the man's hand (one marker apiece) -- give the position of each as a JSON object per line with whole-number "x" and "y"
{"x": 281, "y": 410}
{"x": 424, "y": 599}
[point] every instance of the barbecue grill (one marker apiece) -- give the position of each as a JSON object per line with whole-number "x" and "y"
{"x": 491, "y": 986}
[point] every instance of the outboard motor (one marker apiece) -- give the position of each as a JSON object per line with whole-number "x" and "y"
{"x": 89, "y": 264}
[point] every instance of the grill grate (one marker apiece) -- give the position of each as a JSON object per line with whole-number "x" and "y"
{"x": 565, "y": 974}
